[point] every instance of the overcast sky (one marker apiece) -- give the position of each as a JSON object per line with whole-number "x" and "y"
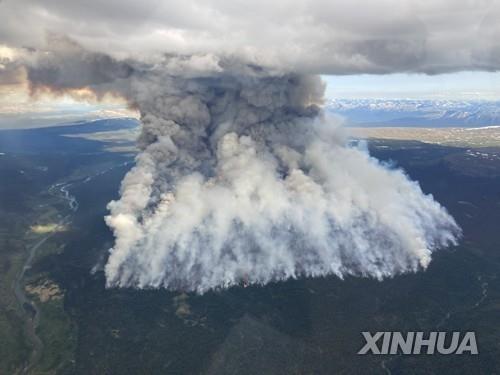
{"x": 316, "y": 36}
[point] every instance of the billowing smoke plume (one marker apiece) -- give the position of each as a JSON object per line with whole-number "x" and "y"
{"x": 241, "y": 178}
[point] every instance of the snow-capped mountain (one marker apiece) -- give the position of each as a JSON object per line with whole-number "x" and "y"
{"x": 421, "y": 113}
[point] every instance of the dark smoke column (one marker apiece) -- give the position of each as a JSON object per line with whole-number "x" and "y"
{"x": 241, "y": 177}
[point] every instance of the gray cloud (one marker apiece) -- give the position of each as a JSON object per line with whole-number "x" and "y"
{"x": 335, "y": 37}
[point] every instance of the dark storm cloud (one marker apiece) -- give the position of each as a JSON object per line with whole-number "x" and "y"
{"x": 336, "y": 37}
{"x": 68, "y": 65}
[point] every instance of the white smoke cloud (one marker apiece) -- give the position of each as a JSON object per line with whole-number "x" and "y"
{"x": 241, "y": 179}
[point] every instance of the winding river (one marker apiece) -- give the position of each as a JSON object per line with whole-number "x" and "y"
{"x": 27, "y": 305}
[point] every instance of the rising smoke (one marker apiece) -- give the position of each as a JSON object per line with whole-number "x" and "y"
{"x": 242, "y": 178}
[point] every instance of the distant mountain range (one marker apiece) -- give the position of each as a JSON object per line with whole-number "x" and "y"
{"x": 416, "y": 113}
